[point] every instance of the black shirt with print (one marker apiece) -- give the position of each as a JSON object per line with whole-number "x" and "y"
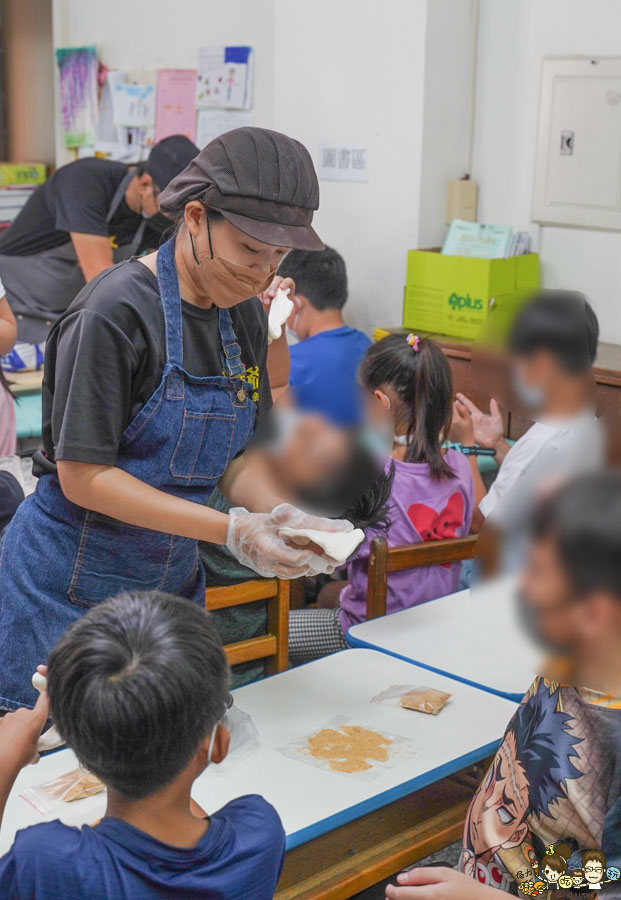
{"x": 77, "y": 197}
{"x": 104, "y": 359}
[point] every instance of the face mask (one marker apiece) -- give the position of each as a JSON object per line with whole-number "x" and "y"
{"x": 530, "y": 395}
{"x": 228, "y": 282}
{"x": 211, "y": 740}
{"x": 292, "y": 334}
{"x": 143, "y": 213}
{"x": 292, "y": 337}
{"x": 231, "y": 283}
{"x": 402, "y": 440}
{"x": 388, "y": 404}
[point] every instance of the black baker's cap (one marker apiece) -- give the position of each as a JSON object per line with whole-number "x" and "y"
{"x": 262, "y": 181}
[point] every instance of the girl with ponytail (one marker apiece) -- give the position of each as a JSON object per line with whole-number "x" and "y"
{"x": 431, "y": 495}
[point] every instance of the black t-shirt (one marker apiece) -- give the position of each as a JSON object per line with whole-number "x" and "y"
{"x": 104, "y": 359}
{"x": 77, "y": 197}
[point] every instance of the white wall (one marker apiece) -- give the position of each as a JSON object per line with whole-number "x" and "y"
{"x": 513, "y": 38}
{"x": 448, "y": 106}
{"x": 348, "y": 71}
{"x": 351, "y": 72}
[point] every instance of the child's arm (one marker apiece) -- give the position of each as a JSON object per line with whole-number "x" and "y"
{"x": 462, "y": 430}
{"x": 19, "y": 733}
{"x": 439, "y": 883}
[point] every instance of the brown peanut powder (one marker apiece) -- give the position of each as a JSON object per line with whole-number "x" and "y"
{"x": 349, "y": 749}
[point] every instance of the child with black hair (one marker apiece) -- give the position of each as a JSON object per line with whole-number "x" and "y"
{"x": 327, "y": 352}
{"x": 555, "y": 782}
{"x": 552, "y": 344}
{"x": 431, "y": 493}
{"x": 138, "y": 688}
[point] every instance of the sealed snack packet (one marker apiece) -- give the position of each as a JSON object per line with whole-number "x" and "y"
{"x": 74, "y": 785}
{"x": 424, "y": 699}
{"x": 421, "y": 699}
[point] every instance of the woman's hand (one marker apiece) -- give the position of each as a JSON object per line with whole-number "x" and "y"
{"x": 279, "y": 282}
{"x": 439, "y": 883}
{"x": 289, "y": 515}
{"x": 278, "y": 362}
{"x": 254, "y": 539}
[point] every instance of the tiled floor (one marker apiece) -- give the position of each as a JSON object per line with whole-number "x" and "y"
{"x": 449, "y": 856}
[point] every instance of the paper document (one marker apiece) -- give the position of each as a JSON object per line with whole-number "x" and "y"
{"x": 134, "y": 105}
{"x": 175, "y": 111}
{"x": 214, "y": 122}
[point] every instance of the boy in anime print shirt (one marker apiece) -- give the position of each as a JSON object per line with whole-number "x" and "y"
{"x": 527, "y": 776}
{"x": 557, "y": 774}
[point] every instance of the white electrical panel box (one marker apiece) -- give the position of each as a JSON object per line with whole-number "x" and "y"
{"x": 578, "y": 165}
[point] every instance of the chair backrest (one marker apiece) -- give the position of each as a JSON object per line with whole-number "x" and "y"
{"x": 273, "y": 646}
{"x": 382, "y": 561}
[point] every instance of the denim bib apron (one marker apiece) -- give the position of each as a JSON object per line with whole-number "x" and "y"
{"x": 58, "y": 559}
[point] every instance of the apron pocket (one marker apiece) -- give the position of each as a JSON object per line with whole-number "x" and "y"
{"x": 114, "y": 557}
{"x": 205, "y": 446}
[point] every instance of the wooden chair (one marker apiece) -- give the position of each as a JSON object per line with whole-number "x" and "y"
{"x": 273, "y": 646}
{"x": 411, "y": 556}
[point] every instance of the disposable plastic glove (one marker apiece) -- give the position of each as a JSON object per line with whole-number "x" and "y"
{"x": 254, "y": 540}
{"x": 287, "y": 514}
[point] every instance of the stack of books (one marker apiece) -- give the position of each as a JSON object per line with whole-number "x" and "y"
{"x": 484, "y": 241}
{"x": 18, "y": 181}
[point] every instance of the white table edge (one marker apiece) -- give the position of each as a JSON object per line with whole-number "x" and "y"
{"x": 356, "y": 643}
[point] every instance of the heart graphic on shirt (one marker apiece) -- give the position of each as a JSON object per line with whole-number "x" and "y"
{"x": 434, "y": 526}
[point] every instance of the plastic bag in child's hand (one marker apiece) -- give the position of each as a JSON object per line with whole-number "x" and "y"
{"x": 421, "y": 699}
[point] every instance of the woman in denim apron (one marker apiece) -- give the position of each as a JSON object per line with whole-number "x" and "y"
{"x": 90, "y": 531}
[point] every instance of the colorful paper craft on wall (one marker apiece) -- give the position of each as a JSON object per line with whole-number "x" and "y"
{"x": 78, "y": 68}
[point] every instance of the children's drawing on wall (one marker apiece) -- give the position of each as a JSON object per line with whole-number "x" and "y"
{"x": 224, "y": 77}
{"x": 78, "y": 70}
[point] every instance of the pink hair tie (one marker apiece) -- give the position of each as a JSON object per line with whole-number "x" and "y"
{"x": 414, "y": 342}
